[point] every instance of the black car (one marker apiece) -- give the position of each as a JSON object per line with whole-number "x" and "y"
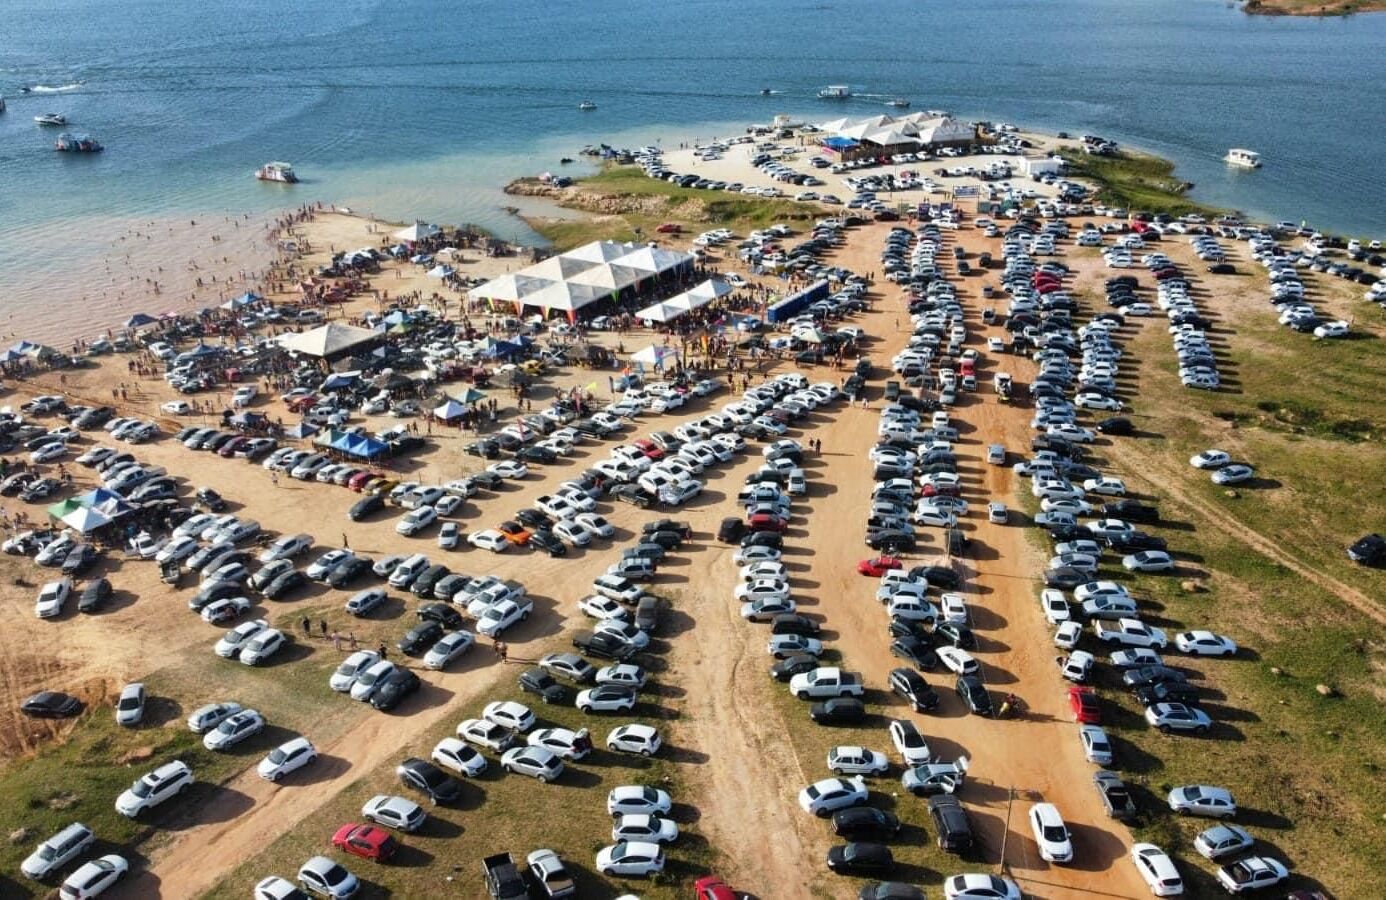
{"x": 860, "y": 859}
{"x": 79, "y": 559}
{"x": 731, "y": 530}
{"x": 399, "y": 684}
{"x": 908, "y": 628}
{"x": 771, "y": 539}
{"x": 794, "y": 623}
{"x": 910, "y": 685}
{"x": 633, "y": 494}
{"x": 290, "y": 581}
{"x": 422, "y": 586}
{"x": 537, "y": 454}
{"x": 430, "y": 780}
{"x": 682, "y": 529}
{"x": 94, "y": 596}
{"x": 915, "y": 649}
{"x": 1116, "y": 796}
{"x": 891, "y": 541}
{"x": 602, "y": 645}
{"x": 1148, "y": 675}
{"x": 366, "y": 506}
{"x": 865, "y": 821}
{"x": 538, "y": 681}
{"x": 348, "y": 571}
{"x": 838, "y": 711}
{"x": 533, "y": 518}
{"x": 489, "y": 480}
{"x": 210, "y": 500}
{"x": 1368, "y": 550}
{"x": 1137, "y": 540}
{"x": 441, "y": 613}
{"x": 787, "y": 668}
{"x": 1117, "y": 425}
{"x": 1066, "y": 577}
{"x": 419, "y": 638}
{"x": 669, "y": 540}
{"x": 890, "y": 890}
{"x": 958, "y": 635}
{"x": 543, "y": 539}
{"x": 647, "y": 611}
{"x": 1168, "y": 692}
{"x": 1222, "y": 268}
{"x": 210, "y": 593}
{"x": 951, "y": 823}
{"x": 449, "y": 585}
{"x": 938, "y": 576}
{"x": 1131, "y": 511}
{"x": 486, "y": 448}
{"x": 974, "y": 694}
{"x": 51, "y": 705}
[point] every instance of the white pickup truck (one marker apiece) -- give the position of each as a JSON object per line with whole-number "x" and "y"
{"x": 1130, "y": 633}
{"x": 826, "y": 682}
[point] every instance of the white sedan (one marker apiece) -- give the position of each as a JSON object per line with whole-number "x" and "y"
{"x": 596, "y": 524}
{"x": 1233, "y": 474}
{"x": 489, "y": 539}
{"x": 1106, "y": 485}
{"x": 1055, "y": 605}
{"x": 1148, "y": 561}
{"x": 510, "y": 469}
{"x": 1205, "y": 643}
{"x": 451, "y": 646}
{"x": 764, "y": 589}
{"x": 825, "y": 797}
{"x": 455, "y": 755}
{"x": 509, "y": 714}
{"x": 573, "y": 532}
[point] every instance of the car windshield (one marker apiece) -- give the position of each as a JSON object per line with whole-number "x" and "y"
{"x": 335, "y": 874}
{"x": 277, "y": 755}
{"x": 1055, "y": 833}
{"x": 141, "y": 788}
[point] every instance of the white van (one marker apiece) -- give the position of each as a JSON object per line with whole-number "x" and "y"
{"x": 58, "y": 851}
{"x": 408, "y": 570}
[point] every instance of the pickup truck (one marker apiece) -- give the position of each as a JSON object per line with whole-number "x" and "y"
{"x": 826, "y": 682}
{"x": 1130, "y": 633}
{"x": 503, "y": 880}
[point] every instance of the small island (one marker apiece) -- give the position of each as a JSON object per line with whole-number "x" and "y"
{"x": 1311, "y": 7}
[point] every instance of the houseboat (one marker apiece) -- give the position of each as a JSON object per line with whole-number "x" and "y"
{"x": 835, "y": 92}
{"x": 76, "y": 143}
{"x": 1246, "y": 159}
{"x": 277, "y": 171}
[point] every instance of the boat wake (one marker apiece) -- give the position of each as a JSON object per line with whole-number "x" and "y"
{"x": 54, "y": 88}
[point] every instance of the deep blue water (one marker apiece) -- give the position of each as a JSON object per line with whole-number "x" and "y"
{"x": 425, "y": 107}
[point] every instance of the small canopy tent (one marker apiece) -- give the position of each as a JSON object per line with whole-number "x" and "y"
{"x": 85, "y": 520}
{"x": 655, "y": 355}
{"x": 449, "y": 410}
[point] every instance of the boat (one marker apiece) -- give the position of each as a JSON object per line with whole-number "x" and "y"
{"x": 2, "y": 104}
{"x": 899, "y": 103}
{"x": 277, "y": 171}
{"x": 565, "y": 160}
{"x": 51, "y": 119}
{"x": 835, "y": 92}
{"x": 586, "y": 105}
{"x": 76, "y": 143}
{"x": 1247, "y": 159}
{"x": 766, "y": 92}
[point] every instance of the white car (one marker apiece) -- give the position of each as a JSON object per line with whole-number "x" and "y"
{"x": 540, "y": 763}
{"x": 1106, "y": 485}
{"x": 394, "y": 812}
{"x": 997, "y": 514}
{"x": 225, "y": 609}
{"x": 370, "y": 678}
{"x": 635, "y": 738}
{"x": 169, "y": 780}
{"x": 845, "y": 760}
{"x": 768, "y": 569}
{"x": 363, "y": 602}
{"x": 129, "y": 709}
{"x": 455, "y": 755}
{"x": 448, "y": 536}
{"x": 1205, "y": 643}
{"x": 641, "y": 827}
{"x": 782, "y": 646}
{"x": 1148, "y": 561}
{"x": 234, "y": 729}
{"x": 1233, "y": 474}
{"x": 1055, "y": 606}
{"x": 909, "y": 743}
{"x": 573, "y": 532}
{"x": 1337, "y": 329}
{"x": 448, "y": 648}
{"x": 980, "y": 886}
{"x": 1097, "y": 747}
{"x": 566, "y": 743}
{"x": 289, "y": 756}
{"x": 286, "y": 547}
{"x": 243, "y": 395}
{"x": 756, "y": 553}
{"x": 825, "y": 797}
{"x": 351, "y": 668}
{"x": 596, "y": 524}
{"x": 92, "y": 879}
{"x": 762, "y": 589}
{"x": 207, "y": 717}
{"x": 1157, "y": 870}
{"x": 958, "y": 661}
{"x": 1051, "y": 834}
{"x": 631, "y": 859}
{"x": 416, "y": 520}
{"x": 52, "y": 597}
{"x": 625, "y": 674}
{"x": 1202, "y": 800}
{"x": 237, "y": 638}
{"x": 263, "y": 645}
{"x": 325, "y": 877}
{"x": 509, "y": 714}
{"x": 1210, "y": 459}
{"x": 509, "y": 469}
{"x": 502, "y": 615}
{"x": 489, "y": 539}
{"x": 1067, "y": 635}
{"x": 636, "y": 799}
{"x": 603, "y": 608}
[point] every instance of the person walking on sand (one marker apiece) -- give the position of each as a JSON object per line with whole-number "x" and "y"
{"x": 336, "y": 641}
{"x": 307, "y": 627}
{"x": 383, "y": 651}
{"x": 345, "y": 545}
{"x": 322, "y": 626}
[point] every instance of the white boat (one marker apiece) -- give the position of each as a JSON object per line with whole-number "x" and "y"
{"x": 586, "y": 105}
{"x": 51, "y": 119}
{"x": 835, "y": 92}
{"x": 277, "y": 171}
{"x": 1247, "y": 159}
{"x": 899, "y": 103}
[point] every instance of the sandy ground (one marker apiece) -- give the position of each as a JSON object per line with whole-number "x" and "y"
{"x": 718, "y": 664}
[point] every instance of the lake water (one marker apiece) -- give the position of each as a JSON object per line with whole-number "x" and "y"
{"x": 427, "y": 108}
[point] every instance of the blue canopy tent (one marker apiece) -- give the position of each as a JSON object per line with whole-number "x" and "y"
{"x": 339, "y": 380}
{"x": 140, "y": 320}
{"x": 242, "y": 301}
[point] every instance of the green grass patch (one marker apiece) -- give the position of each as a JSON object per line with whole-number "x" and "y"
{"x": 1136, "y": 181}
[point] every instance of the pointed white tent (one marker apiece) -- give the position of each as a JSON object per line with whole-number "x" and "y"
{"x": 654, "y": 260}
{"x": 600, "y": 251}
{"x": 510, "y": 287}
{"x": 564, "y": 296}
{"x": 558, "y": 268}
{"x": 661, "y": 312}
{"x": 416, "y": 232}
{"x": 609, "y": 276}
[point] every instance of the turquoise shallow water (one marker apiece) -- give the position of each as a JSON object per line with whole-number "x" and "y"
{"x": 426, "y": 108}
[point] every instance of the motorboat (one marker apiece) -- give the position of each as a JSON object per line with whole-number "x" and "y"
{"x": 77, "y": 143}
{"x": 835, "y": 92}
{"x": 565, "y": 160}
{"x": 765, "y": 92}
{"x": 587, "y": 105}
{"x": 277, "y": 171}
{"x": 1246, "y": 159}
{"x": 51, "y": 119}
{"x": 899, "y": 103}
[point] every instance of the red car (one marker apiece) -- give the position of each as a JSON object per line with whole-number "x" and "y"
{"x": 230, "y": 447}
{"x": 713, "y": 888}
{"x": 670, "y": 228}
{"x": 358, "y": 481}
{"x": 365, "y": 841}
{"x": 766, "y": 522}
{"x": 943, "y": 490}
{"x": 650, "y": 448}
{"x": 1083, "y": 702}
{"x": 878, "y": 566}
{"x": 303, "y": 403}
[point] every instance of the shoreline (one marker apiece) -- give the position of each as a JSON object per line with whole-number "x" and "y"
{"x": 1335, "y": 10}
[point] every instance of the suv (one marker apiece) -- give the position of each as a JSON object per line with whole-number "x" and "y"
{"x": 950, "y": 821}
{"x": 58, "y": 851}
{"x": 153, "y": 789}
